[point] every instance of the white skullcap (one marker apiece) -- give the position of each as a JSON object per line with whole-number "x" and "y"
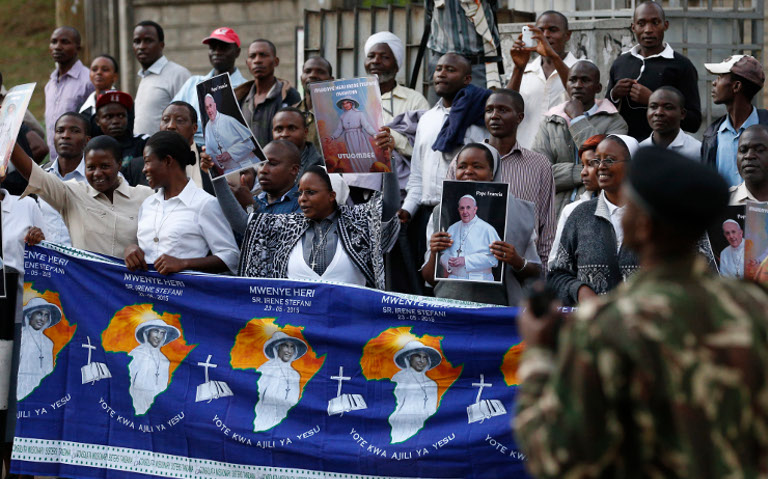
{"x": 395, "y": 44}
{"x": 731, "y": 221}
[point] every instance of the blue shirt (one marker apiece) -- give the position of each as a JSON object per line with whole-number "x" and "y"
{"x": 727, "y": 146}
{"x": 188, "y": 93}
{"x": 289, "y": 203}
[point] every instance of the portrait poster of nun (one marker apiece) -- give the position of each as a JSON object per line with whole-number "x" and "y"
{"x": 348, "y": 117}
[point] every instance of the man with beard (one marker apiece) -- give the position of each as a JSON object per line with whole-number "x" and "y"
{"x": 149, "y": 368}
{"x": 278, "y": 385}
{"x": 114, "y": 116}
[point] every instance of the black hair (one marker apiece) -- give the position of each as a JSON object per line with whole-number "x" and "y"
{"x": 156, "y": 26}
{"x": 293, "y": 109}
{"x": 105, "y": 143}
{"x": 678, "y": 94}
{"x": 620, "y": 142}
{"x": 478, "y": 146}
{"x": 170, "y": 143}
{"x": 517, "y": 98}
{"x": 655, "y": 4}
{"x": 463, "y": 60}
{"x": 325, "y": 60}
{"x": 110, "y": 58}
{"x": 74, "y": 31}
{"x": 86, "y": 122}
{"x": 289, "y": 148}
{"x": 594, "y": 69}
{"x": 555, "y": 12}
{"x": 271, "y": 45}
{"x": 192, "y": 112}
{"x": 757, "y": 126}
{"x": 748, "y": 89}
{"x": 319, "y": 171}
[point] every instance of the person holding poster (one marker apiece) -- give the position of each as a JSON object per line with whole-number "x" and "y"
{"x": 226, "y": 139}
{"x": 149, "y": 368}
{"x": 469, "y": 257}
{"x": 355, "y": 127}
{"x": 36, "y": 350}
{"x": 279, "y": 381}
{"x": 732, "y": 257}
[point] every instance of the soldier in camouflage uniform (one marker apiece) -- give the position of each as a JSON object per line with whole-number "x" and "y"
{"x": 668, "y": 375}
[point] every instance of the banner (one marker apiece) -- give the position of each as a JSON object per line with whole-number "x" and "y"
{"x": 205, "y": 376}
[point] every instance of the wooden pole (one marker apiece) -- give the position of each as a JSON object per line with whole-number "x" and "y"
{"x": 72, "y": 13}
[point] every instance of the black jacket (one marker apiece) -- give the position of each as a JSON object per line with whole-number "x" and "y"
{"x": 709, "y": 140}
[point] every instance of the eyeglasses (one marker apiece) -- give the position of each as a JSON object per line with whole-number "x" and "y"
{"x": 609, "y": 162}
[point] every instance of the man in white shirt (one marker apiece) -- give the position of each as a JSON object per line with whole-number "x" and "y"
{"x": 71, "y": 134}
{"x": 752, "y": 161}
{"x": 223, "y": 51}
{"x": 161, "y": 78}
{"x": 666, "y": 109}
{"x": 542, "y": 81}
{"x": 732, "y": 257}
{"x": 470, "y": 257}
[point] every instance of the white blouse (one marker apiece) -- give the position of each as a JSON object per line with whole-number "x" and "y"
{"x": 19, "y": 214}
{"x": 186, "y": 226}
{"x": 340, "y": 270}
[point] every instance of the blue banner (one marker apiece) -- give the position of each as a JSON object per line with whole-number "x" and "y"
{"x": 201, "y": 376}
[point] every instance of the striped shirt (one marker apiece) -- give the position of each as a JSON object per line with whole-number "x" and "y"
{"x": 529, "y": 176}
{"x": 453, "y": 31}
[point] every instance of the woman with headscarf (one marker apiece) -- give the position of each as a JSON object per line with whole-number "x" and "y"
{"x": 357, "y": 133}
{"x": 180, "y": 224}
{"x": 149, "y": 369}
{"x": 416, "y": 394}
{"x": 279, "y": 381}
{"x": 478, "y": 162}
{"x": 36, "y": 350}
{"x": 326, "y": 241}
{"x": 590, "y": 258}
{"x": 591, "y": 188}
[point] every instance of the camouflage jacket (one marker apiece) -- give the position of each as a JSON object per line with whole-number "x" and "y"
{"x": 666, "y": 377}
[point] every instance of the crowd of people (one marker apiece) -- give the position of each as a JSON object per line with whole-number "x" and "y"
{"x": 128, "y": 177}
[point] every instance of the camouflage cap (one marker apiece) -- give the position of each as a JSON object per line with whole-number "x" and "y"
{"x": 674, "y": 189}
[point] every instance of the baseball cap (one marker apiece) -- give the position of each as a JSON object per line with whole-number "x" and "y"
{"x": 224, "y": 34}
{"x": 114, "y": 96}
{"x": 745, "y": 66}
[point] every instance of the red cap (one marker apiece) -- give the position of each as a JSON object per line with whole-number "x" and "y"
{"x": 224, "y": 34}
{"x": 114, "y": 96}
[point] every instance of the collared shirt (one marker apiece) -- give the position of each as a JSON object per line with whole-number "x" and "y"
{"x": 727, "y": 146}
{"x": 429, "y": 167}
{"x": 668, "y": 52}
{"x": 683, "y": 143}
{"x": 310, "y": 116}
{"x": 19, "y": 215}
{"x": 56, "y": 230}
{"x": 62, "y": 94}
{"x": 616, "y": 213}
{"x": 159, "y": 84}
{"x": 453, "y": 31}
{"x": 399, "y": 100}
{"x": 540, "y": 94}
{"x": 95, "y": 223}
{"x": 320, "y": 242}
{"x": 188, "y": 93}
{"x": 740, "y": 194}
{"x": 529, "y": 175}
{"x": 188, "y": 225}
{"x": 288, "y": 203}
{"x": 259, "y": 119}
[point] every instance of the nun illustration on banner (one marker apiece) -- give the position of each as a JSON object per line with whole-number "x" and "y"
{"x": 357, "y": 132}
{"x": 36, "y": 351}
{"x": 149, "y": 367}
{"x": 416, "y": 394}
{"x": 279, "y": 381}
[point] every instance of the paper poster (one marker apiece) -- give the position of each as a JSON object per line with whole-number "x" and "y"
{"x": 475, "y": 215}
{"x": 348, "y": 117}
{"x": 2, "y": 259}
{"x": 11, "y": 116}
{"x": 726, "y": 235}
{"x": 228, "y": 139}
{"x": 756, "y": 242}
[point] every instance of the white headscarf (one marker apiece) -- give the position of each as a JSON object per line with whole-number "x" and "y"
{"x": 631, "y": 144}
{"x": 395, "y": 44}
